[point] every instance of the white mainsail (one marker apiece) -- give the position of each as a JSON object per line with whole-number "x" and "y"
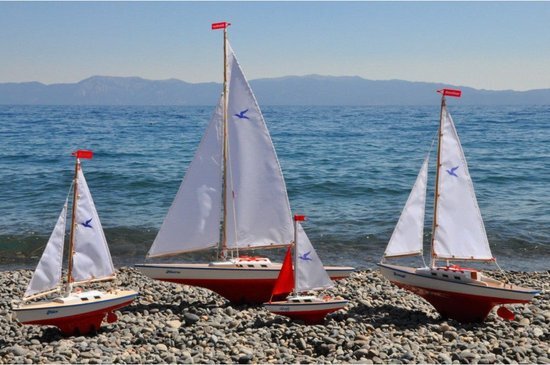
{"x": 309, "y": 271}
{"x": 460, "y": 233}
{"x": 47, "y": 275}
{"x": 193, "y": 221}
{"x": 258, "y": 211}
{"x": 407, "y": 237}
{"x": 91, "y": 259}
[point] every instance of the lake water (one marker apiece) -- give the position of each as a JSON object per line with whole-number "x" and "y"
{"x": 349, "y": 169}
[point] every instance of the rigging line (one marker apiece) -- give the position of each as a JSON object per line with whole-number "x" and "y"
{"x": 423, "y": 261}
{"x": 507, "y": 279}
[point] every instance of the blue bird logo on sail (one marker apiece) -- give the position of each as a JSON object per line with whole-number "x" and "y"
{"x": 305, "y": 257}
{"x": 452, "y": 171}
{"x": 242, "y": 115}
{"x": 87, "y": 223}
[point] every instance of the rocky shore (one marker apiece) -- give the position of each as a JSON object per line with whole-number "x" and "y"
{"x": 171, "y": 323}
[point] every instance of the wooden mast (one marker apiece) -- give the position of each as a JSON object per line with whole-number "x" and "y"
{"x": 436, "y": 194}
{"x": 225, "y": 147}
{"x": 73, "y": 218}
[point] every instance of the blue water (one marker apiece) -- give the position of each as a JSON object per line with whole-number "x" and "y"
{"x": 349, "y": 169}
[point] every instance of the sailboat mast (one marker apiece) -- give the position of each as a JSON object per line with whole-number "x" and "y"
{"x": 436, "y": 194}
{"x": 73, "y": 218}
{"x": 223, "y": 240}
{"x": 225, "y": 146}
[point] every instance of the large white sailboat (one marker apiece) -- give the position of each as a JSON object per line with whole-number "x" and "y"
{"x": 74, "y": 311}
{"x": 458, "y": 234}
{"x": 233, "y": 198}
{"x": 308, "y": 274}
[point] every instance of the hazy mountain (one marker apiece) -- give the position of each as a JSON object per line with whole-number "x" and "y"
{"x": 290, "y": 90}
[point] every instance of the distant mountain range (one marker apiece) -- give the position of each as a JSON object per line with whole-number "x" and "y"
{"x": 290, "y": 90}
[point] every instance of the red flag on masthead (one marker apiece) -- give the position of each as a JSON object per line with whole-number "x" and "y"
{"x": 83, "y": 154}
{"x": 220, "y": 25}
{"x": 450, "y": 92}
{"x": 299, "y": 218}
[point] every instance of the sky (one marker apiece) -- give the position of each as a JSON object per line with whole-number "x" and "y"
{"x": 485, "y": 45}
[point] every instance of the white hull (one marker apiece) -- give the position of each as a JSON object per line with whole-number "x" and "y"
{"x": 410, "y": 276}
{"x": 175, "y": 272}
{"x": 73, "y": 308}
{"x": 289, "y": 307}
{"x": 462, "y": 294}
{"x": 240, "y": 282}
{"x": 310, "y": 309}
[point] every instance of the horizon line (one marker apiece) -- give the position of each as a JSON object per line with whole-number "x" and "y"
{"x": 267, "y": 78}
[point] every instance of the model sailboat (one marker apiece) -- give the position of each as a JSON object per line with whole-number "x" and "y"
{"x": 308, "y": 274}
{"x": 233, "y": 198}
{"x": 458, "y": 234}
{"x": 75, "y": 311}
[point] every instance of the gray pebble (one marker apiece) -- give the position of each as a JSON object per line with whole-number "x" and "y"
{"x": 172, "y": 323}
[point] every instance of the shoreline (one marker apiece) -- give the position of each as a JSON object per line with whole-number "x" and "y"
{"x": 171, "y": 323}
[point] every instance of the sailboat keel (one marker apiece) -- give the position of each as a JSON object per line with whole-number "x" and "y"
{"x": 460, "y": 307}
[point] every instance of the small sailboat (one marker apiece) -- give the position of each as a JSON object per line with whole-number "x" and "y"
{"x": 74, "y": 311}
{"x": 458, "y": 235}
{"x": 308, "y": 274}
{"x": 233, "y": 198}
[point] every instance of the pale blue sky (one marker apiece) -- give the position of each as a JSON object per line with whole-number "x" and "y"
{"x": 491, "y": 45}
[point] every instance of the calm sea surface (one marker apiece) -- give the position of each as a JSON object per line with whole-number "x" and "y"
{"x": 349, "y": 169}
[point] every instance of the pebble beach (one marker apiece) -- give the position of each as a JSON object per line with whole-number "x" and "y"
{"x": 171, "y": 323}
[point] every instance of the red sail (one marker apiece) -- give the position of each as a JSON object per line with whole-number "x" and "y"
{"x": 83, "y": 154}
{"x": 285, "y": 280}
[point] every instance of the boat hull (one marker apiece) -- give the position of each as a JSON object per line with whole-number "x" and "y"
{"x": 239, "y": 285}
{"x": 309, "y": 313}
{"x": 75, "y": 318}
{"x": 464, "y": 302}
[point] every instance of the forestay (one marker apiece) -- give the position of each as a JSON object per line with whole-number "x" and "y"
{"x": 258, "y": 211}
{"x": 309, "y": 271}
{"x": 193, "y": 220}
{"x": 407, "y": 236}
{"x": 91, "y": 259}
{"x": 47, "y": 275}
{"x": 460, "y": 233}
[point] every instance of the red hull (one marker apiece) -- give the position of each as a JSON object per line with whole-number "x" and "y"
{"x": 309, "y": 317}
{"x": 81, "y": 324}
{"x": 461, "y": 307}
{"x": 253, "y": 291}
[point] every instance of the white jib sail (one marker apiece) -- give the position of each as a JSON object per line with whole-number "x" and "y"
{"x": 460, "y": 233}
{"x": 309, "y": 271}
{"x": 193, "y": 220}
{"x": 408, "y": 234}
{"x": 91, "y": 259}
{"x": 258, "y": 211}
{"x": 47, "y": 275}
